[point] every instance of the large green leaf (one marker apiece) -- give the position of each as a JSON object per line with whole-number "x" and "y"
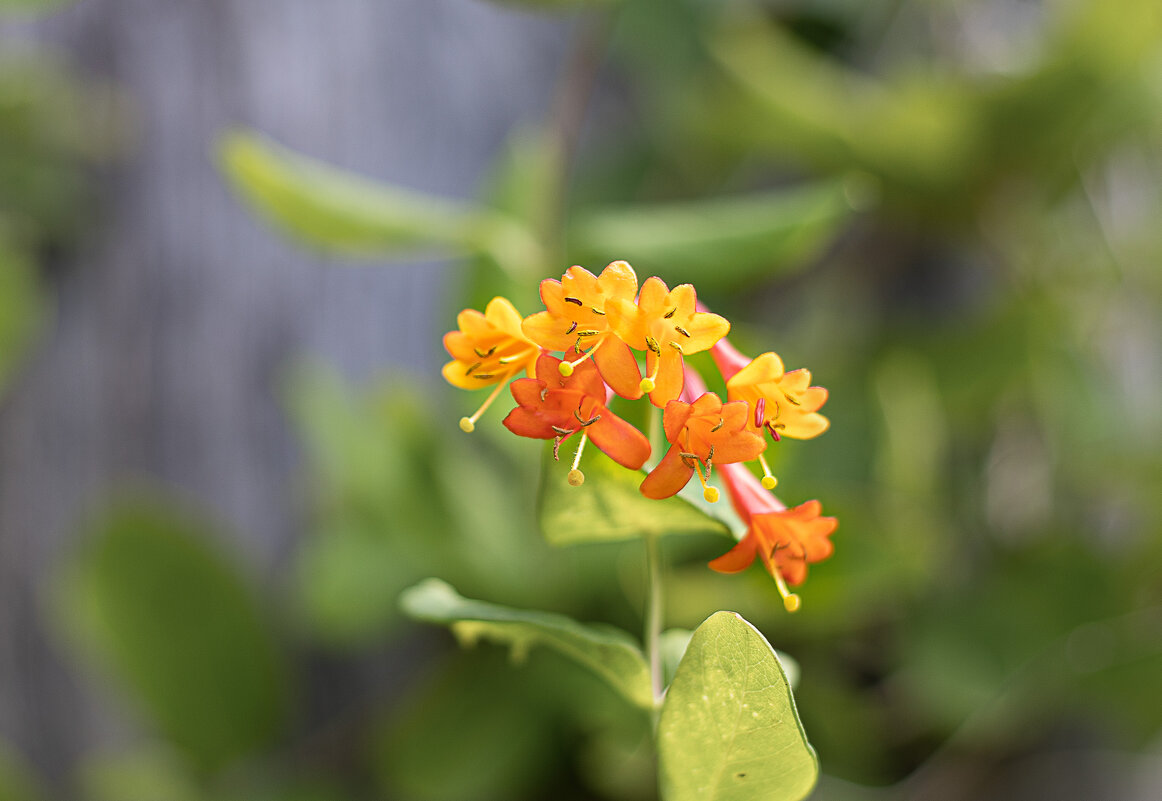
{"x": 164, "y": 609}
{"x": 729, "y": 730}
{"x": 609, "y": 652}
{"x": 723, "y": 241}
{"x": 346, "y": 213}
{"x": 609, "y": 506}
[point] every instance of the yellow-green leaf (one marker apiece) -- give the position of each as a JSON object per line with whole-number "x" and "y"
{"x": 728, "y": 729}
{"x": 607, "y": 651}
{"x": 609, "y": 506}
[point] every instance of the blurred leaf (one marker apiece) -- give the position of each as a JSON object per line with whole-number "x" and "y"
{"x": 607, "y": 651}
{"x": 21, "y": 307}
{"x": 343, "y": 212}
{"x": 471, "y": 732}
{"x": 16, "y": 782}
{"x": 556, "y": 4}
{"x": 720, "y": 241}
{"x": 145, "y": 775}
{"x": 169, "y": 614}
{"x": 33, "y": 6}
{"x": 729, "y": 729}
{"x": 609, "y": 505}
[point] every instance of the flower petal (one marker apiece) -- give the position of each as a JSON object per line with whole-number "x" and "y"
{"x": 619, "y": 368}
{"x": 525, "y": 423}
{"x": 668, "y": 478}
{"x": 619, "y": 440}
{"x": 618, "y": 280}
{"x": 738, "y": 558}
{"x": 705, "y": 329}
{"x": 668, "y": 383}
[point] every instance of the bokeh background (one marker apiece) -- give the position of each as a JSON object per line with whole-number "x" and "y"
{"x": 232, "y": 233}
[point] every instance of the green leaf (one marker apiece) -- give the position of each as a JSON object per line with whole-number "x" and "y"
{"x": 729, "y": 730}
{"x": 721, "y": 241}
{"x": 544, "y": 5}
{"x": 142, "y": 775}
{"x": 169, "y": 615}
{"x": 17, "y": 783}
{"x": 351, "y": 215}
{"x": 609, "y": 652}
{"x": 33, "y": 6}
{"x": 609, "y": 506}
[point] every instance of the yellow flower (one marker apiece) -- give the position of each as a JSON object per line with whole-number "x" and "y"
{"x": 575, "y": 319}
{"x": 666, "y": 325}
{"x": 488, "y": 349}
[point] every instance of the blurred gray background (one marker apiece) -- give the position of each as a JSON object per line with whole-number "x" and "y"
{"x": 178, "y": 310}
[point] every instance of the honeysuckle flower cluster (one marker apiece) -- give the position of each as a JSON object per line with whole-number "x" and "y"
{"x": 564, "y": 365}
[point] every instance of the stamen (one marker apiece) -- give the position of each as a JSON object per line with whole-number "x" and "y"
{"x": 649, "y": 382}
{"x": 564, "y": 432}
{"x": 670, "y": 313}
{"x": 682, "y": 331}
{"x": 721, "y": 422}
{"x": 576, "y": 477}
{"x": 485, "y": 376}
{"x": 509, "y": 359}
{"x": 760, "y": 406}
{"x": 709, "y": 493}
{"x": 598, "y": 311}
{"x": 791, "y": 601}
{"x": 574, "y": 300}
{"x": 769, "y": 481}
{"x": 774, "y": 434}
{"x": 588, "y": 333}
{"x": 484, "y": 354}
{"x": 677, "y": 347}
{"x": 473, "y": 369}
{"x": 468, "y": 424}
{"x": 572, "y": 328}
{"x": 791, "y": 400}
{"x": 566, "y": 368}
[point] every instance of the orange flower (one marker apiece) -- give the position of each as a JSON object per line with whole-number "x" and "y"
{"x": 783, "y": 403}
{"x": 488, "y": 349}
{"x": 786, "y": 540}
{"x": 553, "y": 406}
{"x": 575, "y": 319}
{"x": 666, "y": 325}
{"x": 701, "y": 434}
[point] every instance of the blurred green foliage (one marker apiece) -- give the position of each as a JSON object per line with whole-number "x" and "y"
{"x": 950, "y": 219}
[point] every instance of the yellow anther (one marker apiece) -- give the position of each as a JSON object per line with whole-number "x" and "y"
{"x": 565, "y": 368}
{"x": 769, "y": 481}
{"x": 710, "y": 494}
{"x": 468, "y": 424}
{"x": 576, "y": 477}
{"x": 791, "y": 601}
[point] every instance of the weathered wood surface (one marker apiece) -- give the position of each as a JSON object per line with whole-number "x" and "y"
{"x": 176, "y": 315}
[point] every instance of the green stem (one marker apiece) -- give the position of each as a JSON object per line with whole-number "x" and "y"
{"x": 654, "y": 601}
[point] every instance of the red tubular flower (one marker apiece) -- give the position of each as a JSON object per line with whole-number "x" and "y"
{"x": 554, "y": 406}
{"x": 786, "y": 540}
{"x": 701, "y": 434}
